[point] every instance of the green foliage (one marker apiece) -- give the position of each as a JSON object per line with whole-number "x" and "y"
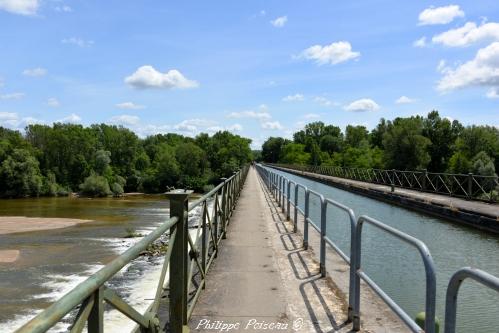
{"x": 412, "y": 143}
{"x": 20, "y": 175}
{"x": 95, "y": 186}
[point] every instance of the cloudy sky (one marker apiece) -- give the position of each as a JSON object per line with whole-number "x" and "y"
{"x": 257, "y": 68}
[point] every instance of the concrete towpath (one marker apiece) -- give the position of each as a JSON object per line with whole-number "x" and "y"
{"x": 264, "y": 280}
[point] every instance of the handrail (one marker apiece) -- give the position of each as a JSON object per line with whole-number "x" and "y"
{"x": 455, "y": 282}
{"x": 469, "y": 186}
{"x": 189, "y": 257}
{"x": 354, "y": 261}
{"x": 431, "y": 283}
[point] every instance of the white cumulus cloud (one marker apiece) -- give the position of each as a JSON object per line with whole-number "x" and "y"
{"x": 440, "y": 15}
{"x": 493, "y": 93}
{"x": 130, "y": 106}
{"x": 420, "y": 42}
{"x": 405, "y": 100}
{"x": 279, "y": 22}
{"x": 483, "y": 70}
{"x": 148, "y": 77}
{"x": 261, "y": 115}
{"x": 271, "y": 125}
{"x": 53, "y": 102}
{"x": 333, "y": 53}
{"x": 293, "y": 98}
{"x": 12, "y": 96}
{"x": 125, "y": 119}
{"x": 35, "y": 72}
{"x": 78, "y": 42}
{"x": 71, "y": 119}
{"x": 21, "y": 7}
{"x": 468, "y": 34}
{"x": 362, "y": 105}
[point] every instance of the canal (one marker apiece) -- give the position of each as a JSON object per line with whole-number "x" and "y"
{"x": 397, "y": 268}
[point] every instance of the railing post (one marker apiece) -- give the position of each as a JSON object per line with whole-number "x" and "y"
{"x": 225, "y": 194}
{"x": 305, "y": 225}
{"x": 323, "y": 237}
{"x": 295, "y": 217}
{"x": 425, "y": 175}
{"x": 288, "y": 190}
{"x": 205, "y": 244}
{"x": 355, "y": 260}
{"x": 469, "y": 195}
{"x": 96, "y": 317}
{"x": 283, "y": 188}
{"x": 179, "y": 262}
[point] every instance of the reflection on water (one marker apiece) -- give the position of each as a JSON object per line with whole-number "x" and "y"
{"x": 52, "y": 262}
{"x": 397, "y": 267}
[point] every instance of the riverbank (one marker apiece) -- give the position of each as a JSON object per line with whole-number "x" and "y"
{"x": 15, "y": 224}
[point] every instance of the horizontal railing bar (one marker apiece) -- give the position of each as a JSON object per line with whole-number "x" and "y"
{"x": 55, "y": 312}
{"x": 337, "y": 249}
{"x": 390, "y": 302}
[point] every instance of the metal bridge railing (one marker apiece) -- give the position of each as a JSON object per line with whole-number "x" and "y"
{"x": 186, "y": 261}
{"x": 280, "y": 187}
{"x": 468, "y": 186}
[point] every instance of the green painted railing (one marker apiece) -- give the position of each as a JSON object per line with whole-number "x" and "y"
{"x": 186, "y": 261}
{"x": 468, "y": 186}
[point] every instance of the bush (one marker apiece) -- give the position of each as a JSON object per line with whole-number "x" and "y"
{"x": 117, "y": 189}
{"x": 95, "y": 186}
{"x": 207, "y": 188}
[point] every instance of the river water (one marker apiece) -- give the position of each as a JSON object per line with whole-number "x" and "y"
{"x": 397, "y": 267}
{"x": 52, "y": 262}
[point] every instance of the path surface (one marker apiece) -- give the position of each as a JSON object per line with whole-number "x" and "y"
{"x": 264, "y": 278}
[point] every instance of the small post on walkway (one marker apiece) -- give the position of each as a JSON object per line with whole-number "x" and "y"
{"x": 179, "y": 261}
{"x": 305, "y": 225}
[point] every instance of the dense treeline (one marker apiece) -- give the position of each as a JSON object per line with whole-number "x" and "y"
{"x": 103, "y": 160}
{"x": 433, "y": 143}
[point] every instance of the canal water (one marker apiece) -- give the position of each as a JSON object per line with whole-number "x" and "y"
{"x": 397, "y": 267}
{"x": 52, "y": 262}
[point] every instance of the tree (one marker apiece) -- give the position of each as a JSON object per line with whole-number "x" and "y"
{"x": 20, "y": 175}
{"x": 294, "y": 153}
{"x": 405, "y": 146}
{"x": 355, "y": 135}
{"x": 442, "y": 134}
{"x": 272, "y": 149}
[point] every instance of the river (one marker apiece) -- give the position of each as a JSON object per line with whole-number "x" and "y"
{"x": 397, "y": 267}
{"x": 52, "y": 262}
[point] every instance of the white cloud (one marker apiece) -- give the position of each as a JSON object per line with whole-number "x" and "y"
{"x": 21, "y": 7}
{"x": 261, "y": 115}
{"x": 63, "y": 8}
{"x": 235, "y": 128}
{"x": 148, "y": 77}
{"x": 483, "y": 70}
{"x": 12, "y": 120}
{"x": 468, "y": 34}
{"x": 279, "y": 22}
{"x": 493, "y": 93}
{"x": 125, "y": 119}
{"x": 35, "y": 72}
{"x": 362, "y": 105}
{"x": 78, "y": 42}
{"x": 333, "y": 53}
{"x": 53, "y": 102}
{"x": 130, "y": 106}
{"x": 311, "y": 116}
{"x": 440, "y": 15}
{"x": 420, "y": 42}
{"x": 405, "y": 100}
{"x": 72, "y": 119}
{"x": 12, "y": 96}
{"x": 293, "y": 98}
{"x": 272, "y": 125}
{"x": 323, "y": 101}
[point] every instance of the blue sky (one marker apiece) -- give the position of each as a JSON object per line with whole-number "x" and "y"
{"x": 257, "y": 68}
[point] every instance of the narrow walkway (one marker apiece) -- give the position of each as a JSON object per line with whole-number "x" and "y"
{"x": 252, "y": 285}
